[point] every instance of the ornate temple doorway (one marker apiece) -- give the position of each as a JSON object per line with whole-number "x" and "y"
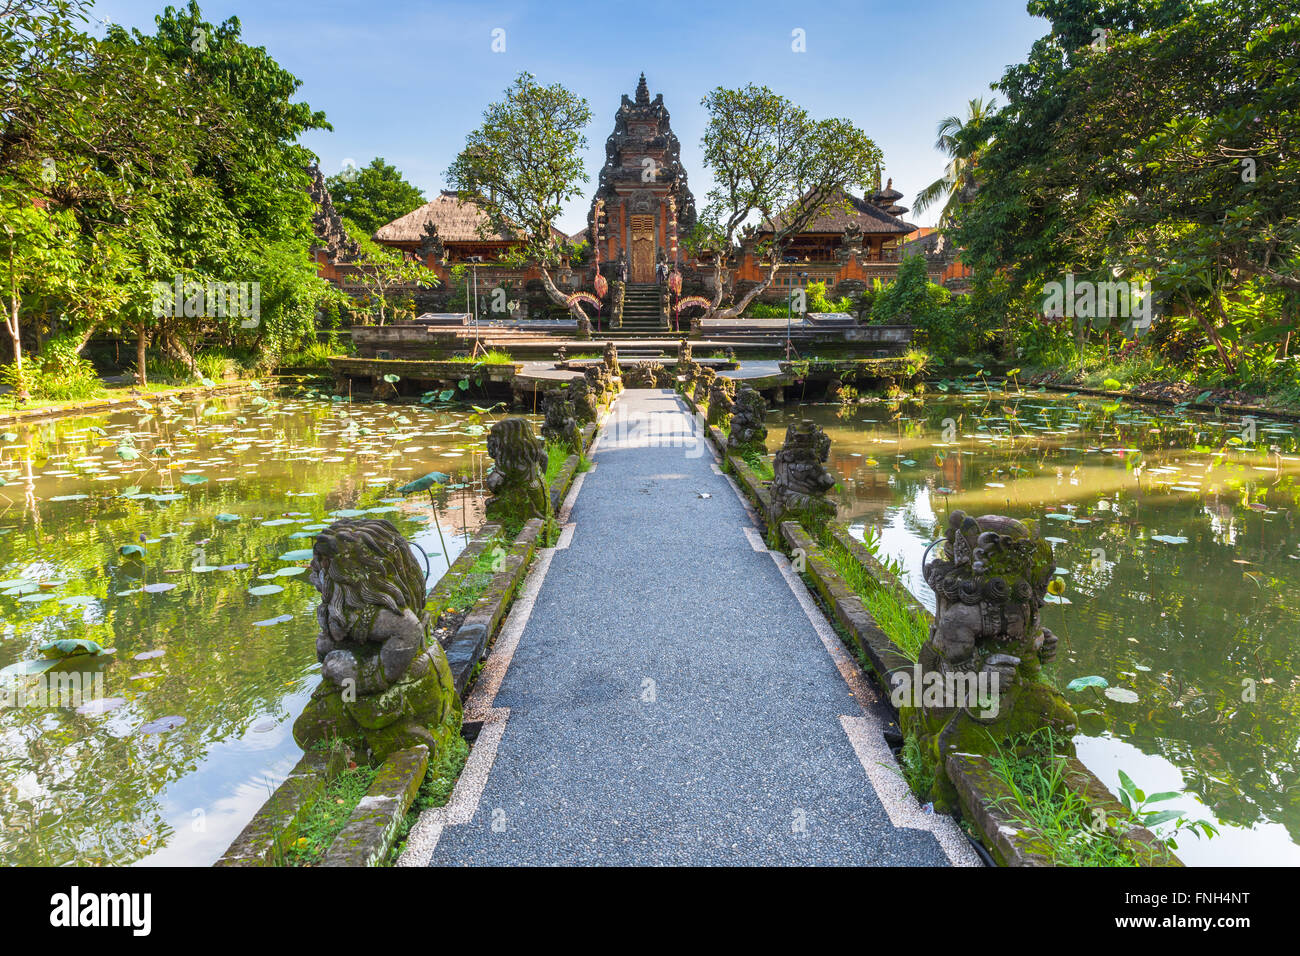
{"x": 642, "y": 260}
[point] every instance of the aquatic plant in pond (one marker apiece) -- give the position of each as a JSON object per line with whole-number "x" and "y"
{"x": 1179, "y": 567}
{"x": 198, "y": 588}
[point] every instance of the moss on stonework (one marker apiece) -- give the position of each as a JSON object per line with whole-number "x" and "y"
{"x": 327, "y": 816}
{"x": 435, "y": 790}
{"x": 422, "y": 708}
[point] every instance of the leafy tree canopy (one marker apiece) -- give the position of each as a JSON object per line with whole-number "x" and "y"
{"x": 374, "y": 195}
{"x": 776, "y": 166}
{"x": 1153, "y": 140}
{"x": 522, "y": 165}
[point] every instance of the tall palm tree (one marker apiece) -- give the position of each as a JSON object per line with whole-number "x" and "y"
{"x": 963, "y": 141}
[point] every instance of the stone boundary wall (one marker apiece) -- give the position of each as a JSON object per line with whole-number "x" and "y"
{"x": 1263, "y": 411}
{"x": 97, "y": 405}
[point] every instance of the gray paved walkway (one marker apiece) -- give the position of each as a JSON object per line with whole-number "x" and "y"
{"x": 669, "y": 700}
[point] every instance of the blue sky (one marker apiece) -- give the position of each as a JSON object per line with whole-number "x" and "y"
{"x": 406, "y": 80}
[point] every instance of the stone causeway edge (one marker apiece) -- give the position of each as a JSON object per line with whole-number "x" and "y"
{"x": 982, "y": 794}
{"x": 369, "y": 833}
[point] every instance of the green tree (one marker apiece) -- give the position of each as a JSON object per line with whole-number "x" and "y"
{"x": 175, "y": 154}
{"x": 962, "y": 141}
{"x": 374, "y": 195}
{"x": 385, "y": 273}
{"x": 1152, "y": 141}
{"x": 773, "y": 162}
{"x": 36, "y": 257}
{"x": 521, "y": 166}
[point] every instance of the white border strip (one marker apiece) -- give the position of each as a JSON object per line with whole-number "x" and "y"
{"x": 424, "y": 836}
{"x": 423, "y": 839}
{"x": 868, "y": 739}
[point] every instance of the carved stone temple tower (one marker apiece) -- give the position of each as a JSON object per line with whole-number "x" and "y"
{"x": 642, "y": 190}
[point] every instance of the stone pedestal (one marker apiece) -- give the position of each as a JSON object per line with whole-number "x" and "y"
{"x": 421, "y": 708}
{"x": 980, "y": 670}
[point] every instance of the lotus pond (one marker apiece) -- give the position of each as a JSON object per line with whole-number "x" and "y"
{"x": 1177, "y": 535}
{"x": 177, "y": 535}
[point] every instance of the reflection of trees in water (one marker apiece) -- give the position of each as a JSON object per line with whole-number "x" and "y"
{"x": 1202, "y": 623}
{"x": 85, "y": 789}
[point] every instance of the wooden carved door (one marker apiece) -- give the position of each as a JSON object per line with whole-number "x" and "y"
{"x": 642, "y": 259}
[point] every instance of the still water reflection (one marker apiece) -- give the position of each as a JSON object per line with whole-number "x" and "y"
{"x": 213, "y": 630}
{"x": 1177, "y": 536}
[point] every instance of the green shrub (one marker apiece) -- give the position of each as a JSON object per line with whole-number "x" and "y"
{"x": 216, "y": 366}
{"x": 766, "y": 310}
{"x": 58, "y": 374}
{"x": 328, "y": 815}
{"x": 315, "y": 355}
{"x": 488, "y": 357}
{"x": 168, "y": 371}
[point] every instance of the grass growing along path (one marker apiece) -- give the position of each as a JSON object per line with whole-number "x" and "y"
{"x": 1033, "y": 768}
{"x": 439, "y": 782}
{"x": 328, "y": 815}
{"x": 888, "y": 604}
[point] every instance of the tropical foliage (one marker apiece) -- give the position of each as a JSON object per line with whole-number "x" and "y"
{"x": 773, "y": 162}
{"x": 373, "y": 195}
{"x": 1150, "y": 142}
{"x": 961, "y": 140}
{"x": 166, "y": 158}
{"x": 521, "y": 166}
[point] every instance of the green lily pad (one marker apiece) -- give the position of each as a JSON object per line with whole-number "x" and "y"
{"x": 70, "y": 647}
{"x": 27, "y": 668}
{"x": 1079, "y": 683}
{"x": 425, "y": 482}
